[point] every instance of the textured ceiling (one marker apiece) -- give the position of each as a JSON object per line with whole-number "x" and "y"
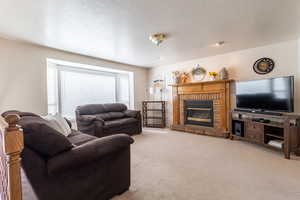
{"x": 118, "y": 30}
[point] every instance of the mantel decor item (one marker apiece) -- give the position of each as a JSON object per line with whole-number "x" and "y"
{"x": 263, "y": 66}
{"x": 185, "y": 77}
{"x": 176, "y": 77}
{"x": 223, "y": 74}
{"x": 213, "y": 75}
{"x": 198, "y": 73}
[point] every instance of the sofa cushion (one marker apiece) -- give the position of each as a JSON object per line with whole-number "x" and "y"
{"x": 115, "y": 107}
{"x": 79, "y": 138}
{"x": 110, "y": 115}
{"x": 93, "y": 109}
{"x": 116, "y": 115}
{"x": 104, "y": 116}
{"x": 131, "y": 113}
{"x": 39, "y": 136}
{"x": 59, "y": 123}
{"x": 45, "y": 140}
{"x": 119, "y": 122}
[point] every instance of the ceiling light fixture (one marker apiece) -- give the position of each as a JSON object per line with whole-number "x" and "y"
{"x": 157, "y": 38}
{"x": 221, "y": 43}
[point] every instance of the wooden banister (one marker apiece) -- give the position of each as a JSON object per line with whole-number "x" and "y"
{"x": 11, "y": 146}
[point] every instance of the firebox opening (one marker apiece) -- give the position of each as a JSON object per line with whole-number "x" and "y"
{"x": 199, "y": 113}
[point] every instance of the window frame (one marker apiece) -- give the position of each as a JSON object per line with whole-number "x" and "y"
{"x": 69, "y": 68}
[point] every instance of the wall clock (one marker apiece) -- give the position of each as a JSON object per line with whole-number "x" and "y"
{"x": 263, "y": 66}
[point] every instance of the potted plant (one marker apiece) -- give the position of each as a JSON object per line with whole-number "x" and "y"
{"x": 213, "y": 75}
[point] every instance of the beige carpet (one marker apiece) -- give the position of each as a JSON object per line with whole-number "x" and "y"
{"x": 171, "y": 165}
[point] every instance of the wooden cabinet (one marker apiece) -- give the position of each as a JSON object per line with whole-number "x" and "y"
{"x": 277, "y": 132}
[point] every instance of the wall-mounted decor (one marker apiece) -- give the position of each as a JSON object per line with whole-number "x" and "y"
{"x": 198, "y": 73}
{"x": 263, "y": 66}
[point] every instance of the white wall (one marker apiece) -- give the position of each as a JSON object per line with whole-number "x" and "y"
{"x": 23, "y": 83}
{"x": 239, "y": 64}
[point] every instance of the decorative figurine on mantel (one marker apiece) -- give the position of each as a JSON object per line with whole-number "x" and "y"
{"x": 198, "y": 73}
{"x": 223, "y": 74}
{"x": 176, "y": 77}
{"x": 184, "y": 77}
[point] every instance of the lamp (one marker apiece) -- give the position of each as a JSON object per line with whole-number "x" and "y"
{"x": 157, "y": 38}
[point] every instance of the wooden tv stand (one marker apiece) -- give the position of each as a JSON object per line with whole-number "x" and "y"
{"x": 268, "y": 129}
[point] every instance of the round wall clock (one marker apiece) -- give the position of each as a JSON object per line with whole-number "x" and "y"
{"x": 263, "y": 66}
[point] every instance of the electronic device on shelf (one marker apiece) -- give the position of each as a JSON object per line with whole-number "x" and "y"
{"x": 258, "y": 112}
{"x": 261, "y": 120}
{"x": 266, "y": 96}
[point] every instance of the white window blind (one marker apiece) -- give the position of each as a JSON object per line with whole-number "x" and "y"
{"x": 70, "y": 87}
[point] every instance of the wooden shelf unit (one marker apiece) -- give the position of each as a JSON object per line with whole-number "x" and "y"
{"x": 282, "y": 129}
{"x": 154, "y": 114}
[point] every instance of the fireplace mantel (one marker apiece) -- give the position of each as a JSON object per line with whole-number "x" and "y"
{"x": 216, "y": 91}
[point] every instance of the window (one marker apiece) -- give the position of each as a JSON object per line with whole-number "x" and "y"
{"x": 69, "y": 87}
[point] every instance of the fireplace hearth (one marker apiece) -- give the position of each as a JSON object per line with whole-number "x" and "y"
{"x": 199, "y": 113}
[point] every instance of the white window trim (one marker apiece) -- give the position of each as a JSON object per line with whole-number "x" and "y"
{"x": 82, "y": 68}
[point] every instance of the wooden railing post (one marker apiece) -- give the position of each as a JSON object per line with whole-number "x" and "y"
{"x": 11, "y": 146}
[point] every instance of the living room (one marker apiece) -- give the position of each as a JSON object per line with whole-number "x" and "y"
{"x": 150, "y": 100}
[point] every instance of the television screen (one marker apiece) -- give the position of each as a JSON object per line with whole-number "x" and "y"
{"x": 275, "y": 94}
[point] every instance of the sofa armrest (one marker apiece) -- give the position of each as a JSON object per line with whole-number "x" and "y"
{"x": 88, "y": 152}
{"x": 132, "y": 113}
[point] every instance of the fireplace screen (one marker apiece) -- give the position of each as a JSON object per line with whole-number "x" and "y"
{"x": 199, "y": 113}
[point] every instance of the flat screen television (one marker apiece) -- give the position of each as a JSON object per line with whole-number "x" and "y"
{"x": 274, "y": 94}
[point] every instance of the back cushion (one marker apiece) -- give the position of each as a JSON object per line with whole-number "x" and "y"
{"x": 111, "y": 115}
{"x": 115, "y": 107}
{"x": 58, "y": 123}
{"x": 92, "y": 109}
{"x": 116, "y": 115}
{"x": 39, "y": 136}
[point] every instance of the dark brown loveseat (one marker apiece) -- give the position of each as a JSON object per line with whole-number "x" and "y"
{"x": 76, "y": 167}
{"x": 106, "y": 119}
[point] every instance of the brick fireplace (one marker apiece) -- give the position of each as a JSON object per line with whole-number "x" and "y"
{"x": 202, "y": 108}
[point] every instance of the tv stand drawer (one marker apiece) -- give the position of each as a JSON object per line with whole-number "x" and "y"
{"x": 254, "y": 136}
{"x": 253, "y": 126}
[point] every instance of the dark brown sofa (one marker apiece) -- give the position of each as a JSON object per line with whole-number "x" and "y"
{"x": 76, "y": 167}
{"x": 106, "y": 119}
